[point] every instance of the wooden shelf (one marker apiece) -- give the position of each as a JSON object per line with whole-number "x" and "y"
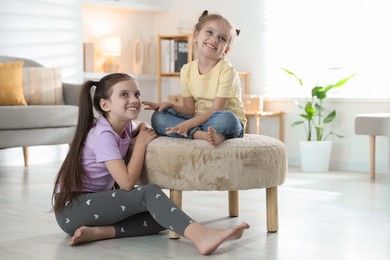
{"x": 133, "y": 5}
{"x": 160, "y": 73}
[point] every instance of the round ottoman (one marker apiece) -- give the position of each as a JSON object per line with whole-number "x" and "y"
{"x": 251, "y": 162}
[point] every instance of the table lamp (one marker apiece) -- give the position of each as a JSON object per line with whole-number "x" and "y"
{"x": 111, "y": 47}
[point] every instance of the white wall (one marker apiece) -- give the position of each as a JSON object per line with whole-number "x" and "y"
{"x": 349, "y": 153}
{"x": 48, "y": 32}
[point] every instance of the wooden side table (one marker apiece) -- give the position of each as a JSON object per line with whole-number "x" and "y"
{"x": 258, "y": 115}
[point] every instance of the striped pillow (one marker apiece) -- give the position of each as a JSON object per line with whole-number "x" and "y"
{"x": 42, "y": 86}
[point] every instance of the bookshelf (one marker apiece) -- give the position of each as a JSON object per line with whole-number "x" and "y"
{"x": 173, "y": 51}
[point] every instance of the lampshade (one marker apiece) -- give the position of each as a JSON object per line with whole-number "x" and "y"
{"x": 111, "y": 46}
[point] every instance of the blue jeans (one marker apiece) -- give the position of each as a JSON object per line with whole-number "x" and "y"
{"x": 225, "y": 123}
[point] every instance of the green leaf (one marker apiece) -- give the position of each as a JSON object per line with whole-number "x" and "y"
{"x": 339, "y": 136}
{"x": 332, "y": 133}
{"x": 329, "y": 118}
{"x": 307, "y": 117}
{"x": 309, "y": 109}
{"x": 318, "y": 107}
{"x": 339, "y": 83}
{"x": 318, "y": 92}
{"x": 295, "y": 76}
{"x": 300, "y": 122}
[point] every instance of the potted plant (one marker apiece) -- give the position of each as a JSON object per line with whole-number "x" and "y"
{"x": 314, "y": 120}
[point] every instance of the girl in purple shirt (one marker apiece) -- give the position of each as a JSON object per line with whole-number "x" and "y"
{"x": 86, "y": 205}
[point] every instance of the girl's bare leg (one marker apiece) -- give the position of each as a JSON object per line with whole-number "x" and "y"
{"x": 207, "y": 240}
{"x": 211, "y": 136}
{"x": 87, "y": 234}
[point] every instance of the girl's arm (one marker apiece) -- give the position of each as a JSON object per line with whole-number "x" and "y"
{"x": 127, "y": 176}
{"x": 188, "y": 107}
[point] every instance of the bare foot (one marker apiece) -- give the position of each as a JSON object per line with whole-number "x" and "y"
{"x": 213, "y": 137}
{"x": 208, "y": 240}
{"x": 88, "y": 234}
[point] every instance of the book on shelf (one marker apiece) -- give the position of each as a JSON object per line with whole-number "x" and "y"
{"x": 174, "y": 54}
{"x": 165, "y": 56}
{"x": 181, "y": 52}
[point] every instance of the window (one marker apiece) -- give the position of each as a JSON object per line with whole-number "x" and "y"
{"x": 326, "y": 40}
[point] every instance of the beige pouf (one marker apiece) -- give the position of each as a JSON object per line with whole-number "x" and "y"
{"x": 375, "y": 124}
{"x": 252, "y": 162}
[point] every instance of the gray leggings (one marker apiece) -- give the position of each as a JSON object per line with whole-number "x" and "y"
{"x": 142, "y": 211}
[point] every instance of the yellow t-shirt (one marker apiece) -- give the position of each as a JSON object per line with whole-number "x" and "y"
{"x": 222, "y": 81}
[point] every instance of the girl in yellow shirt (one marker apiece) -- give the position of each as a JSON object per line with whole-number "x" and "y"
{"x": 212, "y": 109}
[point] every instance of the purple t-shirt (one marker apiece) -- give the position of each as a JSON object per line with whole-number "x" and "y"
{"x": 103, "y": 144}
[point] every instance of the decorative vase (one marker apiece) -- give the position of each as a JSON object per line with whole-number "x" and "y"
{"x": 150, "y": 57}
{"x": 138, "y": 56}
{"x": 315, "y": 155}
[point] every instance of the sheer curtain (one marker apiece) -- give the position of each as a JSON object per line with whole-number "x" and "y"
{"x": 323, "y": 41}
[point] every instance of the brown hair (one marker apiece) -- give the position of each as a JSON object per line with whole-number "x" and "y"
{"x": 71, "y": 174}
{"x": 206, "y": 17}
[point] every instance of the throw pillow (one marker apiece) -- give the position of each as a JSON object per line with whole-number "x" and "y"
{"x": 43, "y": 86}
{"x": 11, "y": 84}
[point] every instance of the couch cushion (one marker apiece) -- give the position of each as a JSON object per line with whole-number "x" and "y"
{"x": 11, "y": 88}
{"x": 30, "y": 117}
{"x": 43, "y": 86}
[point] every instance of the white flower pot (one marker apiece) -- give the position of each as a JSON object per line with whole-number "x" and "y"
{"x": 315, "y": 155}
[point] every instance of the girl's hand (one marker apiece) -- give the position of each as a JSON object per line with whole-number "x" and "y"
{"x": 156, "y": 106}
{"x": 151, "y": 105}
{"x": 143, "y": 124}
{"x": 145, "y": 136}
{"x": 181, "y": 129}
{"x": 140, "y": 126}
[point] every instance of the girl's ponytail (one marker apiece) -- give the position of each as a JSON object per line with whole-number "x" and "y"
{"x": 86, "y": 117}
{"x": 71, "y": 175}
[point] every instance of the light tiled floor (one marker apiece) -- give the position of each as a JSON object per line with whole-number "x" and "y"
{"x": 335, "y": 215}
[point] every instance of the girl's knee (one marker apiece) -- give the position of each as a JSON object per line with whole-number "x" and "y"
{"x": 156, "y": 116}
{"x": 223, "y": 117}
{"x": 151, "y": 187}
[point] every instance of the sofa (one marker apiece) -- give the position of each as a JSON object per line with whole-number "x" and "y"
{"x": 43, "y": 112}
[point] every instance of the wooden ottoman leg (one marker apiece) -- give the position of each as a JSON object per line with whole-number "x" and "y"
{"x": 233, "y": 203}
{"x": 176, "y": 197}
{"x": 25, "y": 155}
{"x": 372, "y": 156}
{"x": 272, "y": 209}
